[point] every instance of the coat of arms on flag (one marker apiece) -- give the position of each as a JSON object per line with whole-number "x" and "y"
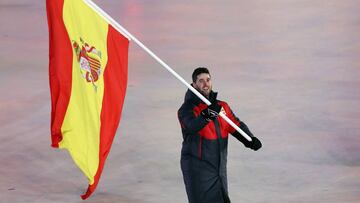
{"x": 89, "y": 61}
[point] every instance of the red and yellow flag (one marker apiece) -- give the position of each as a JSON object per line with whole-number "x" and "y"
{"x": 88, "y": 77}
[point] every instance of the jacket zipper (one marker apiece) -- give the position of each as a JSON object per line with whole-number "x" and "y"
{"x": 199, "y": 148}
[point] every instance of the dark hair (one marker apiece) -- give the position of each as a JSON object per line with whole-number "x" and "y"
{"x": 198, "y": 71}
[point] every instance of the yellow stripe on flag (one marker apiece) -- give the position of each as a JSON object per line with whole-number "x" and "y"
{"x": 81, "y": 125}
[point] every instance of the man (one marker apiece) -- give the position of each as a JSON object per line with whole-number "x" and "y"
{"x": 204, "y": 148}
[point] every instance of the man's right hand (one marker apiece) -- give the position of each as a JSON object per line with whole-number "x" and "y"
{"x": 212, "y": 112}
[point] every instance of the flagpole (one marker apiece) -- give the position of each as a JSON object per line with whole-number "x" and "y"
{"x": 122, "y": 30}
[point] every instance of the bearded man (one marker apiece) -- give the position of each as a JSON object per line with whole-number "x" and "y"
{"x": 205, "y": 142}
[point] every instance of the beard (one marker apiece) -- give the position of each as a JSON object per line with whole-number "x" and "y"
{"x": 205, "y": 93}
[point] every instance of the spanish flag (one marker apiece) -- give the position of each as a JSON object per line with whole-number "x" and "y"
{"x": 88, "y": 77}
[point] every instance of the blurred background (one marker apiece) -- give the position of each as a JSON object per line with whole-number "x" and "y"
{"x": 289, "y": 69}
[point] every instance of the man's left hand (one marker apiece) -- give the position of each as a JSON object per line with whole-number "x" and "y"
{"x": 255, "y": 144}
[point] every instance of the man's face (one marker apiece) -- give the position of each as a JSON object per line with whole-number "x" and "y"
{"x": 203, "y": 84}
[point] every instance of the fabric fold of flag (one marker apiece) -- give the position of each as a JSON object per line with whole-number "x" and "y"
{"x": 88, "y": 62}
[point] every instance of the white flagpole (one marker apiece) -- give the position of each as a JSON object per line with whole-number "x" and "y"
{"x": 122, "y": 30}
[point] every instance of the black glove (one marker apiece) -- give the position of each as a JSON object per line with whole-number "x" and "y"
{"x": 255, "y": 143}
{"x": 211, "y": 112}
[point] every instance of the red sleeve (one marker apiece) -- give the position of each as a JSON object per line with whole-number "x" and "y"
{"x": 229, "y": 113}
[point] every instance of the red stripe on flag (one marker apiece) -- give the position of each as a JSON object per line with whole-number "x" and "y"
{"x": 60, "y": 67}
{"x": 115, "y": 82}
